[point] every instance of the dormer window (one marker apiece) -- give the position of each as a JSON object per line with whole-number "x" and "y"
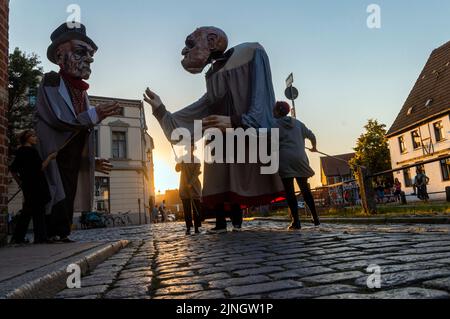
{"x": 429, "y": 102}
{"x": 410, "y": 110}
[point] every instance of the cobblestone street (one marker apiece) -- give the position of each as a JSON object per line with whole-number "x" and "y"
{"x": 266, "y": 261}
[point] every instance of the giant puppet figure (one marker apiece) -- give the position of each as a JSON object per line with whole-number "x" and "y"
{"x": 64, "y": 124}
{"x": 239, "y": 94}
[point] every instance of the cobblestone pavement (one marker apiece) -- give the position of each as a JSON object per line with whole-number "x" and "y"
{"x": 265, "y": 261}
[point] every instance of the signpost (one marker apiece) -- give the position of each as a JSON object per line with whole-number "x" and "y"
{"x": 291, "y": 93}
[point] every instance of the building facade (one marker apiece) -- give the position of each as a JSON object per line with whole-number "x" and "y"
{"x": 124, "y": 141}
{"x": 421, "y": 131}
{"x": 4, "y": 14}
{"x": 334, "y": 172}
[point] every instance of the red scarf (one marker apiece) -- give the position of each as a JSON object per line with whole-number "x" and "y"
{"x": 77, "y": 88}
{"x": 75, "y": 83}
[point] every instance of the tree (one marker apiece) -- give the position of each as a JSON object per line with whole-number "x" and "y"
{"x": 24, "y": 73}
{"x": 372, "y": 149}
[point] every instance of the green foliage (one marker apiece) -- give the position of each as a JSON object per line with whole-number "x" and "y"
{"x": 372, "y": 149}
{"x": 24, "y": 73}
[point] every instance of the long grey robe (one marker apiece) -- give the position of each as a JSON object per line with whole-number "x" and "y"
{"x": 294, "y": 161}
{"x": 241, "y": 88}
{"x": 56, "y": 123}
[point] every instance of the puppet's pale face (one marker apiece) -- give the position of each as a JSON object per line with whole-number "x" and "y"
{"x": 196, "y": 52}
{"x": 75, "y": 58}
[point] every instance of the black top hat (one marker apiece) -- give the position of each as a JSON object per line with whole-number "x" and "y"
{"x": 66, "y": 33}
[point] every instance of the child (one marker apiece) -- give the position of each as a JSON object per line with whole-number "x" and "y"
{"x": 190, "y": 190}
{"x": 27, "y": 169}
{"x": 294, "y": 163}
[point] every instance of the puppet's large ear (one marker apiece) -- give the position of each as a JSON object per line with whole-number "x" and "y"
{"x": 212, "y": 39}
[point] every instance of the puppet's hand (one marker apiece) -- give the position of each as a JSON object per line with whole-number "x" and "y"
{"x": 217, "y": 121}
{"x": 103, "y": 166}
{"x": 153, "y": 99}
{"x": 108, "y": 109}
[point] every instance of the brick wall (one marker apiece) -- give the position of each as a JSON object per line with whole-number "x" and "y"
{"x": 4, "y": 13}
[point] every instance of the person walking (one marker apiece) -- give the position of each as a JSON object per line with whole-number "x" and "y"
{"x": 27, "y": 169}
{"x": 155, "y": 214}
{"x": 397, "y": 190}
{"x": 162, "y": 210}
{"x": 190, "y": 190}
{"x": 421, "y": 182}
{"x": 294, "y": 163}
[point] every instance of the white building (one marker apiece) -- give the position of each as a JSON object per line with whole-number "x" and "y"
{"x": 421, "y": 131}
{"x": 124, "y": 141}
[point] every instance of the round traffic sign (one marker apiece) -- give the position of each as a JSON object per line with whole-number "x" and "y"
{"x": 291, "y": 93}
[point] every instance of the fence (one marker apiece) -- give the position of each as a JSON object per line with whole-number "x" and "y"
{"x": 367, "y": 195}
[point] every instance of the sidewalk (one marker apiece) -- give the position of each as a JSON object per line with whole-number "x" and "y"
{"x": 39, "y": 271}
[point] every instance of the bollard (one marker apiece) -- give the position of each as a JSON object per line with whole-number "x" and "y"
{"x": 447, "y": 191}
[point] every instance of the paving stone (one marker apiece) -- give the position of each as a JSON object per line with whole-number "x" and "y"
{"x": 301, "y": 272}
{"x": 177, "y": 274}
{"x": 404, "y": 293}
{"x": 312, "y": 292}
{"x": 419, "y": 257}
{"x": 183, "y": 281}
{"x": 333, "y": 277}
{"x": 137, "y": 269}
{"x": 135, "y": 274}
{"x": 127, "y": 292}
{"x": 181, "y": 289}
{"x": 88, "y": 291}
{"x": 136, "y": 281}
{"x": 406, "y": 277}
{"x": 90, "y": 297}
{"x": 257, "y": 271}
{"x": 90, "y": 281}
{"x": 220, "y": 284}
{"x": 209, "y": 294}
{"x": 263, "y": 288}
{"x": 409, "y": 266}
{"x": 441, "y": 283}
{"x": 358, "y": 264}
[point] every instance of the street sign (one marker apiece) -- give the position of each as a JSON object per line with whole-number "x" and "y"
{"x": 290, "y": 80}
{"x": 291, "y": 93}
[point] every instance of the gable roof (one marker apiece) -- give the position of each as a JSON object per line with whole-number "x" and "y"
{"x": 333, "y": 167}
{"x": 433, "y": 85}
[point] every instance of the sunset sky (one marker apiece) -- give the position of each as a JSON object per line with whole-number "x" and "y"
{"x": 346, "y": 72}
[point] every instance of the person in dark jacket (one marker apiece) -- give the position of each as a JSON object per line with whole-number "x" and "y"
{"x": 190, "y": 190}
{"x": 27, "y": 169}
{"x": 294, "y": 163}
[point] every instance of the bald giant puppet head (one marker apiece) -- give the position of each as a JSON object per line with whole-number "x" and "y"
{"x": 202, "y": 46}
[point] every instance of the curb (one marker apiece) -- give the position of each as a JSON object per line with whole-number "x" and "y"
{"x": 49, "y": 285}
{"x": 376, "y": 220}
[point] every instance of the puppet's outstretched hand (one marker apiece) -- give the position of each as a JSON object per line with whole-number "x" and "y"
{"x": 103, "y": 166}
{"x": 153, "y": 99}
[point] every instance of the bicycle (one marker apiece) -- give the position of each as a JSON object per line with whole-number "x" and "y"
{"x": 123, "y": 219}
{"x": 109, "y": 220}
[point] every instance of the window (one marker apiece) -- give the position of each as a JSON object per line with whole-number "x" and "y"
{"x": 439, "y": 131}
{"x": 96, "y": 143}
{"x": 417, "y": 141}
{"x": 408, "y": 179}
{"x": 119, "y": 145}
{"x": 445, "y": 167}
{"x": 401, "y": 142}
